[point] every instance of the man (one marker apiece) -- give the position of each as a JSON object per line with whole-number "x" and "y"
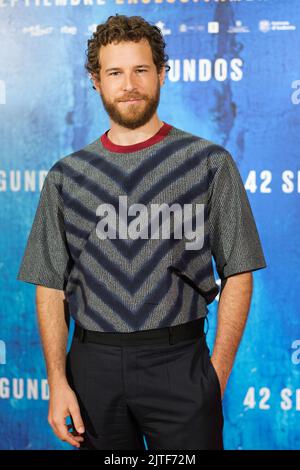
{"x": 139, "y": 364}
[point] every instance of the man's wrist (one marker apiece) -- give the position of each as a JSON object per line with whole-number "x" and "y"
{"x": 57, "y": 378}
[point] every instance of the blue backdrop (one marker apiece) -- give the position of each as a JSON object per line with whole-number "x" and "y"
{"x": 234, "y": 79}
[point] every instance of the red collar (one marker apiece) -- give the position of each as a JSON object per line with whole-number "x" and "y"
{"x": 109, "y": 145}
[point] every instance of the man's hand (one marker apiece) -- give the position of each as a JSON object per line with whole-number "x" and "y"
{"x": 63, "y": 403}
{"x": 233, "y": 309}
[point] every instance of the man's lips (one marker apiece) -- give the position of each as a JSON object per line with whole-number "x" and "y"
{"x": 131, "y": 100}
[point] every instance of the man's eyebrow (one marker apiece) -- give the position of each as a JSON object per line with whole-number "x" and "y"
{"x": 118, "y": 68}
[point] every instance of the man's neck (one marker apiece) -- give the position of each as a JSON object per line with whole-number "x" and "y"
{"x": 122, "y": 136}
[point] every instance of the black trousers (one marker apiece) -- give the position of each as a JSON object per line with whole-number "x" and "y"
{"x": 167, "y": 391}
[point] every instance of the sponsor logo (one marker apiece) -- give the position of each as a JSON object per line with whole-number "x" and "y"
{"x": 213, "y": 27}
{"x": 162, "y": 27}
{"x": 266, "y": 25}
{"x": 238, "y": 28}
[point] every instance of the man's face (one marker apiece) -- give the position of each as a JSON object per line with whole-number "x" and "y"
{"x": 128, "y": 72}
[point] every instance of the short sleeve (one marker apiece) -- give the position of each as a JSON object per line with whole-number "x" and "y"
{"x": 234, "y": 239}
{"x": 47, "y": 260}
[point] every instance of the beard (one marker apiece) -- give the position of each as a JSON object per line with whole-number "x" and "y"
{"x": 133, "y": 115}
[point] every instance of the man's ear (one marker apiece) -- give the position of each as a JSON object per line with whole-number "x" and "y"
{"x": 162, "y": 75}
{"x": 96, "y": 81}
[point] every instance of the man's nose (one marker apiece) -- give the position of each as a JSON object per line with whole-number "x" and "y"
{"x": 129, "y": 82}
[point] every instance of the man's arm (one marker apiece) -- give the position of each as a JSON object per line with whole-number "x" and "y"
{"x": 53, "y": 324}
{"x": 234, "y": 305}
{"x": 54, "y": 331}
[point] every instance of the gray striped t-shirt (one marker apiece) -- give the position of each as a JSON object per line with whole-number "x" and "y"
{"x": 97, "y": 233}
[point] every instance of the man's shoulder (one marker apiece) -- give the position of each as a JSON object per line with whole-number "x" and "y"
{"x": 214, "y": 152}
{"x": 72, "y": 161}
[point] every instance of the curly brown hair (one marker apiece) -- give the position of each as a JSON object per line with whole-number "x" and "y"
{"x": 125, "y": 28}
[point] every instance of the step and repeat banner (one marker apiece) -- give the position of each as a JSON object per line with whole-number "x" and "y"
{"x": 235, "y": 80}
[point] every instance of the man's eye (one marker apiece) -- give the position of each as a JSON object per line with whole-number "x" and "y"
{"x": 138, "y": 70}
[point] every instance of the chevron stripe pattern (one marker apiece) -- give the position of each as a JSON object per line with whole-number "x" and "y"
{"x": 126, "y": 285}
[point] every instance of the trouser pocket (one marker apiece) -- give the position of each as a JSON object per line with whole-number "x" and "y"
{"x": 213, "y": 376}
